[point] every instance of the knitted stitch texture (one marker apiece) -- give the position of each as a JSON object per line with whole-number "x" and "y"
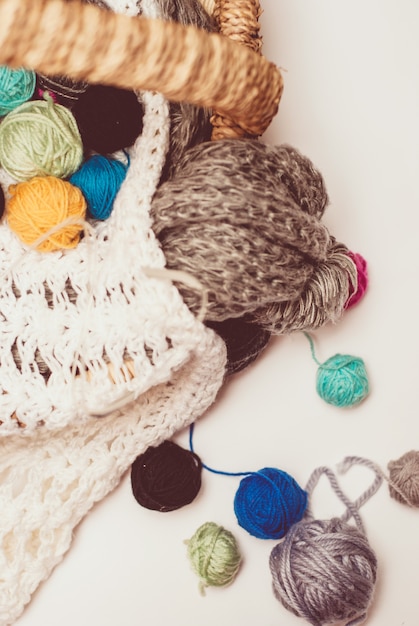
{"x": 56, "y": 458}
{"x": 120, "y": 314}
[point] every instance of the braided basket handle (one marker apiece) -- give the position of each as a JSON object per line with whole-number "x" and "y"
{"x": 181, "y": 62}
{"x": 239, "y": 21}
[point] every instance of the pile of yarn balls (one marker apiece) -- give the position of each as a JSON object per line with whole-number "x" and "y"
{"x": 60, "y": 151}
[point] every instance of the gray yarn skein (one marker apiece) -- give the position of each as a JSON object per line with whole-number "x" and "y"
{"x": 244, "y": 218}
{"x": 325, "y": 570}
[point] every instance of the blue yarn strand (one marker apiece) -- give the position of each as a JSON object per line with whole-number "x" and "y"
{"x": 267, "y": 503}
{"x": 210, "y": 469}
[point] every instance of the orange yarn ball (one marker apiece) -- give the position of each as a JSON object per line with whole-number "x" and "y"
{"x": 42, "y": 203}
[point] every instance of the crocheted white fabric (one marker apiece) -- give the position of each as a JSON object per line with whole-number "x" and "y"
{"x": 56, "y": 458}
{"x": 122, "y": 321}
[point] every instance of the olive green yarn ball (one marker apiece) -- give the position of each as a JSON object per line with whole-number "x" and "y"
{"x": 40, "y": 138}
{"x": 214, "y": 555}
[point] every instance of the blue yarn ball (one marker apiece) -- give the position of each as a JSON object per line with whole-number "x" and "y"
{"x": 99, "y": 180}
{"x": 16, "y": 87}
{"x": 342, "y": 380}
{"x": 268, "y": 502}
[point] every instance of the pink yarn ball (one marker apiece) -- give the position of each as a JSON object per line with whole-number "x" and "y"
{"x": 361, "y": 268}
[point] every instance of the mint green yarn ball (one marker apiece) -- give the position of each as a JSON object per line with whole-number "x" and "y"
{"x": 40, "y": 138}
{"x": 342, "y": 380}
{"x": 16, "y": 87}
{"x": 214, "y": 555}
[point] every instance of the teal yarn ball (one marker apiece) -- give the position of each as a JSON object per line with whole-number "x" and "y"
{"x": 268, "y": 502}
{"x": 16, "y": 87}
{"x": 40, "y": 138}
{"x": 214, "y": 555}
{"x": 342, "y": 380}
{"x": 99, "y": 180}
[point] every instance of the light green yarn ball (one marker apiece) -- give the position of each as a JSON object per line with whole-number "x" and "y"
{"x": 40, "y": 138}
{"x": 16, "y": 87}
{"x": 342, "y": 380}
{"x": 214, "y": 555}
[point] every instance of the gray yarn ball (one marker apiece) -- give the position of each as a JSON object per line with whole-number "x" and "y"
{"x": 325, "y": 572}
{"x": 244, "y": 218}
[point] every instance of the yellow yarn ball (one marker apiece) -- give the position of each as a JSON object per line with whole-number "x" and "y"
{"x": 42, "y": 203}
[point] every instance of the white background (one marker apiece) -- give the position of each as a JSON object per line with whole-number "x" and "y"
{"x": 351, "y": 103}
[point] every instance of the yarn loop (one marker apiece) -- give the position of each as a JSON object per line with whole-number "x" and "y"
{"x": 214, "y": 555}
{"x": 166, "y": 477}
{"x": 324, "y": 570}
{"x": 268, "y": 502}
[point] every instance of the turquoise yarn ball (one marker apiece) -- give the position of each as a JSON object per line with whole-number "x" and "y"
{"x": 16, "y": 87}
{"x": 342, "y": 380}
{"x": 268, "y": 502}
{"x": 99, "y": 180}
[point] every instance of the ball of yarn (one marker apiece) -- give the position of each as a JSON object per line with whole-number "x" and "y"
{"x": 40, "y": 205}
{"x": 40, "y": 138}
{"x": 2, "y": 202}
{"x": 109, "y": 118}
{"x": 342, "y": 380}
{"x": 404, "y": 478}
{"x": 268, "y": 502}
{"x": 166, "y": 477}
{"x": 16, "y": 87}
{"x": 62, "y": 89}
{"x": 325, "y": 572}
{"x": 99, "y": 179}
{"x": 231, "y": 216}
{"x": 355, "y": 295}
{"x": 214, "y": 554}
{"x": 244, "y": 342}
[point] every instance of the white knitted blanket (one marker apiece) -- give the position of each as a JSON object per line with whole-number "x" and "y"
{"x": 57, "y": 458}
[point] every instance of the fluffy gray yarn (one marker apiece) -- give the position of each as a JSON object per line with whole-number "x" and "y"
{"x": 244, "y": 218}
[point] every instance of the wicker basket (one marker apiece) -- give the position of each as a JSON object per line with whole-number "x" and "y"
{"x": 56, "y": 458}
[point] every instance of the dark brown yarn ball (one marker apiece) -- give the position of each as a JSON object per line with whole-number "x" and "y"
{"x": 109, "y": 118}
{"x": 2, "y": 202}
{"x": 166, "y": 477}
{"x": 244, "y": 342}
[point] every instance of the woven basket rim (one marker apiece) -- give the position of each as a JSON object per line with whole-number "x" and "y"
{"x": 183, "y": 63}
